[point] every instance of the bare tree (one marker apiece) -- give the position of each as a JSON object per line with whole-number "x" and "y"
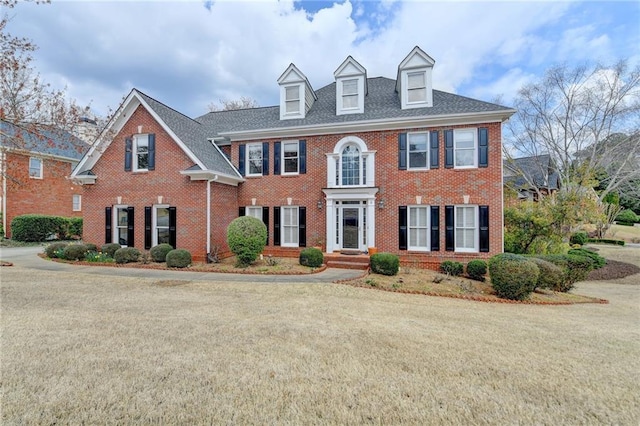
{"x": 244, "y": 102}
{"x": 572, "y": 114}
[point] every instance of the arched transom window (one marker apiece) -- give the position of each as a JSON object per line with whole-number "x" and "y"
{"x": 350, "y": 164}
{"x": 352, "y": 170}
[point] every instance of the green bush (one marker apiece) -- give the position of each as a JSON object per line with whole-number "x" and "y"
{"x": 312, "y": 257}
{"x": 126, "y": 255}
{"x": 37, "y": 228}
{"x": 452, "y": 268}
{"x": 75, "y": 252}
{"x": 551, "y": 276}
{"x": 52, "y": 248}
{"x": 598, "y": 261}
{"x": 110, "y": 249}
{"x": 1, "y": 226}
{"x": 246, "y": 238}
{"x": 385, "y": 263}
{"x": 477, "y": 269}
{"x": 94, "y": 256}
{"x": 579, "y": 238}
{"x": 513, "y": 276}
{"x": 91, "y": 247}
{"x": 606, "y": 241}
{"x": 625, "y": 223}
{"x": 159, "y": 253}
{"x": 574, "y": 268}
{"x": 179, "y": 258}
{"x": 627, "y": 216}
{"x": 74, "y": 229}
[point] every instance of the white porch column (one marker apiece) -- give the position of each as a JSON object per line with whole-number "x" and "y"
{"x": 330, "y": 236}
{"x": 371, "y": 222}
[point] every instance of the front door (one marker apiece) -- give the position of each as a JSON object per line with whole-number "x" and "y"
{"x": 350, "y": 228}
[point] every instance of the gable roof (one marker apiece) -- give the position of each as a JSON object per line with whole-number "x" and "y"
{"x": 189, "y": 134}
{"x": 537, "y": 169}
{"x": 44, "y": 141}
{"x": 382, "y": 105}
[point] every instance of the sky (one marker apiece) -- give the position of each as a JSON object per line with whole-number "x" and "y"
{"x": 188, "y": 54}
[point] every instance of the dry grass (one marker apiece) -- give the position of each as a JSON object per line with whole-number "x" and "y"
{"x": 85, "y": 348}
{"x": 630, "y": 234}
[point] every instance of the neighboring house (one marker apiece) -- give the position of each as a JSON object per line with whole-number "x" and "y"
{"x": 34, "y": 169}
{"x": 530, "y": 176}
{"x": 362, "y": 162}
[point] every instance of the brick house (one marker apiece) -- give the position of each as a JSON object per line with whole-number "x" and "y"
{"x": 362, "y": 162}
{"x": 34, "y": 170}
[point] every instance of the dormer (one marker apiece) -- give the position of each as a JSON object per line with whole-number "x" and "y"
{"x": 414, "y": 80}
{"x": 351, "y": 87}
{"x": 296, "y": 94}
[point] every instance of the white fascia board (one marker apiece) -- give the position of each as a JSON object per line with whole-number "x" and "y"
{"x": 238, "y": 175}
{"x": 212, "y": 176}
{"x": 83, "y": 179}
{"x": 373, "y": 125}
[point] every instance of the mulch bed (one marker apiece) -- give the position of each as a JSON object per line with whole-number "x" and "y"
{"x": 613, "y": 270}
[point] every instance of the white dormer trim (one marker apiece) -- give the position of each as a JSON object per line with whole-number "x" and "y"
{"x": 351, "y": 87}
{"x": 296, "y": 94}
{"x": 414, "y": 80}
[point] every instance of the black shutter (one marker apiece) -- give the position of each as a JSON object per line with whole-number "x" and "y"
{"x": 128, "y": 154}
{"x": 434, "y": 152}
{"x": 402, "y": 151}
{"x": 241, "y": 157}
{"x": 483, "y": 212}
{"x": 448, "y": 149}
{"x": 107, "y": 225}
{"x": 265, "y": 158}
{"x": 483, "y": 147}
{"x": 130, "y": 227}
{"x": 147, "y": 228}
{"x": 276, "y": 158}
{"x": 302, "y": 226}
{"x": 449, "y": 241}
{"x": 152, "y": 152}
{"x": 435, "y": 228}
{"x": 242, "y": 211}
{"x": 265, "y": 220}
{"x": 302, "y": 146}
{"x": 172, "y": 226}
{"x": 276, "y": 226}
{"x": 402, "y": 227}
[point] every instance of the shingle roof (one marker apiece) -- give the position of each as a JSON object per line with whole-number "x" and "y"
{"x": 538, "y": 169}
{"x": 46, "y": 141}
{"x": 193, "y": 134}
{"x": 382, "y": 102}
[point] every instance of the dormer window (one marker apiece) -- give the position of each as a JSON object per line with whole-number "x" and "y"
{"x": 296, "y": 94}
{"x": 292, "y": 99}
{"x": 351, "y": 87}
{"x": 413, "y": 83}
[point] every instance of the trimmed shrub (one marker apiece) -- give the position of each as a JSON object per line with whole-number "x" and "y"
{"x": 598, "y": 261}
{"x": 75, "y": 252}
{"x": 452, "y": 268}
{"x": 627, "y": 216}
{"x": 477, "y": 269}
{"x": 606, "y": 241}
{"x": 311, "y": 256}
{"x": 574, "y": 268}
{"x": 126, "y": 255}
{"x": 179, "y": 258}
{"x": 36, "y": 228}
{"x": 74, "y": 229}
{"x": 513, "y": 276}
{"x": 51, "y": 249}
{"x": 91, "y": 247}
{"x": 551, "y": 276}
{"x": 159, "y": 253}
{"x": 246, "y": 237}
{"x": 385, "y": 263}
{"x": 110, "y": 249}
{"x": 579, "y": 238}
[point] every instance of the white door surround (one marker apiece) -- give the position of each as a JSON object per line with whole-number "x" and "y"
{"x": 350, "y": 218}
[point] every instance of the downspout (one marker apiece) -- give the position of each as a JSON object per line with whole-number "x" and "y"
{"x": 215, "y": 177}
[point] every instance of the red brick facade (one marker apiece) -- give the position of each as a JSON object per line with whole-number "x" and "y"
{"x": 51, "y": 195}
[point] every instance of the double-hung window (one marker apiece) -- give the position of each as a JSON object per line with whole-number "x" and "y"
{"x": 141, "y": 152}
{"x": 466, "y": 228}
{"x": 35, "y": 168}
{"x": 418, "y": 150}
{"x": 290, "y": 157}
{"x": 416, "y": 87}
{"x": 465, "y": 148}
{"x": 254, "y": 211}
{"x": 161, "y": 234}
{"x": 121, "y": 225}
{"x": 77, "y": 202}
{"x": 418, "y": 225}
{"x": 290, "y": 226}
{"x": 254, "y": 159}
{"x": 350, "y": 94}
{"x": 292, "y": 100}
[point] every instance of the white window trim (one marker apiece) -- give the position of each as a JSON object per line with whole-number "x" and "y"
{"x": 154, "y": 222}
{"x": 40, "y": 174}
{"x": 134, "y": 162}
{"x": 428, "y": 102}
{"x": 368, "y": 157}
{"x": 115, "y": 235}
{"x": 428, "y": 226}
{"x": 282, "y": 226}
{"x": 255, "y": 208}
{"x": 284, "y": 115}
{"x": 427, "y": 164}
{"x": 474, "y": 132}
{"x": 73, "y": 202}
{"x": 476, "y": 236}
{"x": 283, "y": 168}
{"x": 248, "y": 161}
{"x": 424, "y": 87}
{"x": 340, "y": 108}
